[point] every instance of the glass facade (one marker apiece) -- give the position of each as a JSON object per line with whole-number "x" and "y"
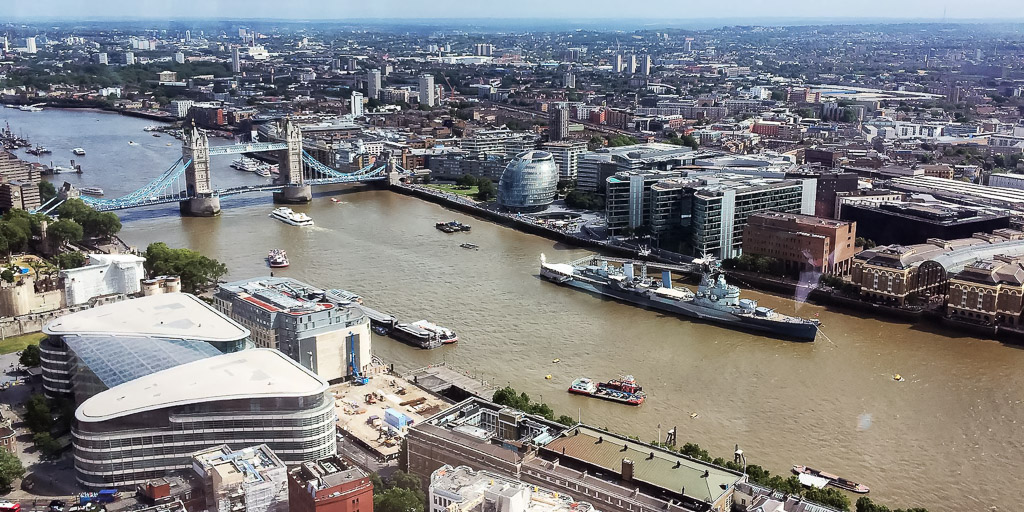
{"x": 529, "y": 182}
{"x": 129, "y": 450}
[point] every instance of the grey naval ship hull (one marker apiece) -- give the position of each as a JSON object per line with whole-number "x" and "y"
{"x": 788, "y": 330}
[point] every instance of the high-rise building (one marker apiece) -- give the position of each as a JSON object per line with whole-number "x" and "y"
{"x": 30, "y": 45}
{"x": 570, "y": 80}
{"x": 179, "y": 58}
{"x": 188, "y": 36}
{"x": 236, "y": 61}
{"x": 356, "y": 104}
{"x": 5, "y": 45}
{"x": 427, "y": 90}
{"x": 645, "y": 64}
{"x": 631, "y": 64}
{"x": 102, "y": 59}
{"x": 331, "y": 484}
{"x": 373, "y": 84}
{"x": 617, "y": 66}
{"x": 559, "y": 127}
{"x": 129, "y": 58}
{"x": 484, "y": 49}
{"x": 180, "y": 107}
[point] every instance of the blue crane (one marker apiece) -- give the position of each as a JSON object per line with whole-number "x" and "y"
{"x": 353, "y": 369}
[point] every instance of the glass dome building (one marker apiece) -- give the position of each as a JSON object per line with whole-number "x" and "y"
{"x": 529, "y": 182}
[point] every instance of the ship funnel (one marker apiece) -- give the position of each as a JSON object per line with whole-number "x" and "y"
{"x": 666, "y": 279}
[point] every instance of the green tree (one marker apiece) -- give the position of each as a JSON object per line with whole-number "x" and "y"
{"x": 397, "y": 500}
{"x": 70, "y": 259}
{"x": 486, "y": 189}
{"x": 7, "y": 275}
{"x": 38, "y": 416}
{"x": 15, "y": 236}
{"x": 467, "y": 180}
{"x": 403, "y": 480}
{"x": 621, "y": 140}
{"x": 65, "y": 230}
{"x": 47, "y": 191}
{"x": 595, "y": 142}
{"x": 74, "y": 209}
{"x": 866, "y": 243}
{"x": 10, "y": 470}
{"x": 828, "y": 496}
{"x": 101, "y": 224}
{"x": 29, "y": 356}
{"x": 46, "y": 444}
{"x": 197, "y": 272}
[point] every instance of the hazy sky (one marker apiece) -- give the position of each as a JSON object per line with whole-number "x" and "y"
{"x": 653, "y": 9}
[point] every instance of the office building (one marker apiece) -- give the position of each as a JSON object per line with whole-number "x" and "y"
{"x": 894, "y": 274}
{"x": 559, "y": 127}
{"x": 30, "y": 45}
{"x": 23, "y": 195}
{"x": 989, "y": 292}
{"x": 723, "y": 203}
{"x": 567, "y": 155}
{"x": 614, "y": 473}
{"x": 373, "y": 84}
{"x": 596, "y": 166}
{"x": 179, "y": 57}
{"x": 104, "y": 274}
{"x": 632, "y": 202}
{"x": 236, "y": 60}
{"x": 149, "y": 427}
{"x": 249, "y": 480}
{"x": 356, "y": 104}
{"x": 962, "y": 192}
{"x": 909, "y": 223}
{"x": 529, "y": 183}
{"x": 428, "y": 93}
{"x": 463, "y": 490}
{"x": 326, "y": 335}
{"x": 96, "y": 349}
{"x": 330, "y": 484}
{"x": 830, "y": 184}
{"x": 802, "y": 243}
{"x": 569, "y": 80}
{"x": 498, "y": 142}
{"x": 188, "y": 36}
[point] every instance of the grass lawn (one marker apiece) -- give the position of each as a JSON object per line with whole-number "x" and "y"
{"x": 457, "y": 189}
{"x": 16, "y": 343}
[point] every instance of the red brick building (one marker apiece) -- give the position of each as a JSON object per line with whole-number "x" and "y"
{"x": 331, "y": 484}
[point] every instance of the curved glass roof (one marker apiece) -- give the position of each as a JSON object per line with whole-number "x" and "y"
{"x": 119, "y": 359}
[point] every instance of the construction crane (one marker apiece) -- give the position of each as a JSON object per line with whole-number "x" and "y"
{"x": 451, "y": 90}
{"x": 353, "y": 370}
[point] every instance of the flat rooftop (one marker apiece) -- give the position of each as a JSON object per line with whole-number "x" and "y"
{"x": 465, "y": 486}
{"x": 253, "y": 374}
{"x": 168, "y": 315}
{"x": 247, "y": 464}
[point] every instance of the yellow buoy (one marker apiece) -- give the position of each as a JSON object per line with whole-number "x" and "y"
{"x": 548, "y": 377}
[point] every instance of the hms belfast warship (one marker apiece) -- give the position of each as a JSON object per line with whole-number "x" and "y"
{"x": 715, "y": 300}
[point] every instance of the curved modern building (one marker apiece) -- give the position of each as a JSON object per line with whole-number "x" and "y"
{"x": 147, "y": 427}
{"x": 102, "y": 347}
{"x": 529, "y": 182}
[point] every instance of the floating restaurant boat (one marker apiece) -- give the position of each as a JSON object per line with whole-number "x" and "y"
{"x": 624, "y": 390}
{"x": 424, "y": 334}
{"x": 715, "y": 300}
{"x": 452, "y": 227}
{"x": 821, "y": 477}
{"x": 277, "y": 258}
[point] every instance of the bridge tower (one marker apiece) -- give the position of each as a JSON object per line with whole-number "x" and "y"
{"x": 289, "y": 163}
{"x": 195, "y": 149}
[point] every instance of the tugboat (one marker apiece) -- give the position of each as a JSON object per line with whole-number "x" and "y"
{"x": 833, "y": 480}
{"x": 624, "y": 390}
{"x": 277, "y": 258}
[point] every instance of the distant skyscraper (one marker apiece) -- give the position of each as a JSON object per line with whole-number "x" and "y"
{"x": 570, "y": 80}
{"x": 484, "y": 49}
{"x": 241, "y": 33}
{"x": 617, "y": 65}
{"x": 188, "y": 36}
{"x": 645, "y": 64}
{"x": 689, "y": 44}
{"x": 179, "y": 58}
{"x": 373, "y": 83}
{"x": 631, "y": 64}
{"x": 559, "y": 128}
{"x": 357, "y": 104}
{"x": 129, "y": 58}
{"x": 575, "y": 54}
{"x": 427, "y": 90}
{"x": 236, "y": 61}
{"x": 30, "y": 45}
{"x": 6, "y": 46}
{"x": 103, "y": 59}
{"x": 353, "y": 64}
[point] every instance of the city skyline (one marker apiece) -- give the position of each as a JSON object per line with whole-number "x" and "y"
{"x": 748, "y": 11}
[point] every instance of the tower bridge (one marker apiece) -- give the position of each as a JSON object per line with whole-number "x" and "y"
{"x": 189, "y": 181}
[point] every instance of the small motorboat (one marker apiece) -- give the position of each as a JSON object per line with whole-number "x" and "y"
{"x": 133, "y": 143}
{"x": 898, "y": 378}
{"x": 468, "y": 245}
{"x": 556, "y": 360}
{"x": 333, "y": 200}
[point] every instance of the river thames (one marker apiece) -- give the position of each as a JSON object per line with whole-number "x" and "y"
{"x": 950, "y": 437}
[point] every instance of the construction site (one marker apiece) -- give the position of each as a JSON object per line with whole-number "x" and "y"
{"x": 376, "y": 414}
